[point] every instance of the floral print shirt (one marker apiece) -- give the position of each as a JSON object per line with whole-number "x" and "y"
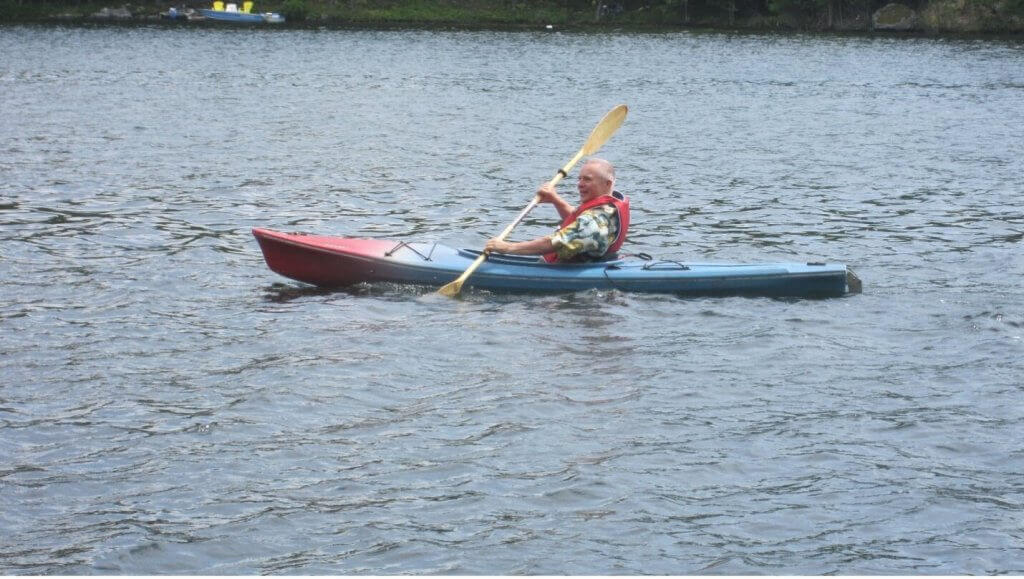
{"x": 589, "y": 237}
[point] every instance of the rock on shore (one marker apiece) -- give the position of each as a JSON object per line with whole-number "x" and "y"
{"x": 122, "y": 13}
{"x": 894, "y": 17}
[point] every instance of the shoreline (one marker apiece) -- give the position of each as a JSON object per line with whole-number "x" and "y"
{"x": 932, "y": 20}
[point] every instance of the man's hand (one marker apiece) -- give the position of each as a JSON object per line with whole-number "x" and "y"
{"x": 547, "y": 194}
{"x": 496, "y": 245}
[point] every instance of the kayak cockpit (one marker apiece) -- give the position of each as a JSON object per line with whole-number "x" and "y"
{"x": 533, "y": 260}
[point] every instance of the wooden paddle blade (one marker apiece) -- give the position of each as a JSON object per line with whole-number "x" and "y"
{"x": 452, "y": 289}
{"x": 598, "y": 137}
{"x": 605, "y": 129}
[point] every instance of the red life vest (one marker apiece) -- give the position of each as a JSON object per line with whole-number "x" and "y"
{"x": 621, "y": 203}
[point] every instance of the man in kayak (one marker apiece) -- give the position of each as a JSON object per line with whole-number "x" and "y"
{"x": 593, "y": 231}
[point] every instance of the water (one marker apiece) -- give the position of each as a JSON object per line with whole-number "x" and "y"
{"x": 169, "y": 405}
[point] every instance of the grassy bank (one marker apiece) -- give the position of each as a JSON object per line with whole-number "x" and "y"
{"x": 934, "y": 16}
{"x": 467, "y": 13}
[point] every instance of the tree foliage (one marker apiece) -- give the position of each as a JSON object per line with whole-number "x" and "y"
{"x": 295, "y": 10}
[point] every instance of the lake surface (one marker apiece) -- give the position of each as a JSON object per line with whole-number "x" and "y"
{"x": 170, "y": 406}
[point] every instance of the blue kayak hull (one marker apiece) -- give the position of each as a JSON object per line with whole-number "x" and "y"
{"x": 329, "y": 261}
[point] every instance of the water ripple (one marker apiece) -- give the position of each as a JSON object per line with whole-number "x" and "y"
{"x": 172, "y": 407}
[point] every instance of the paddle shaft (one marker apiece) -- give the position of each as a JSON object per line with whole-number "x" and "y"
{"x": 536, "y": 200}
{"x": 505, "y": 233}
{"x": 601, "y": 133}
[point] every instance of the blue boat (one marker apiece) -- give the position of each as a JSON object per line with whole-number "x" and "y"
{"x": 331, "y": 262}
{"x": 230, "y": 12}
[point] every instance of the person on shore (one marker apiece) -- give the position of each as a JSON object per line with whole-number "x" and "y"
{"x": 593, "y": 231}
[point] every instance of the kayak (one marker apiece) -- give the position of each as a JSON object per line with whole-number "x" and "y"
{"x": 332, "y": 262}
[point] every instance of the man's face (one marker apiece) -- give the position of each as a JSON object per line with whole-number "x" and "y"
{"x": 592, "y": 182}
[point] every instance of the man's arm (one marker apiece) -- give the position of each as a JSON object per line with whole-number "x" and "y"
{"x": 538, "y": 246}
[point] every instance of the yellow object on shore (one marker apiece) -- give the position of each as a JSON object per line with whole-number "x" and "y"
{"x": 218, "y": 5}
{"x": 247, "y": 6}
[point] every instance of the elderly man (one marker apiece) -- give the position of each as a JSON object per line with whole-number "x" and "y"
{"x": 591, "y": 232}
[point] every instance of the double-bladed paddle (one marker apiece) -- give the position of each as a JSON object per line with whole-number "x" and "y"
{"x": 599, "y": 136}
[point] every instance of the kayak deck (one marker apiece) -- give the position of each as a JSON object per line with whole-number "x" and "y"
{"x": 331, "y": 262}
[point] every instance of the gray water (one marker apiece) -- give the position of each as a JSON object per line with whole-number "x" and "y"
{"x": 169, "y": 405}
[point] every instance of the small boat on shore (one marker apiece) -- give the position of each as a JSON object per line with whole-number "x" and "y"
{"x": 332, "y": 262}
{"x": 230, "y": 12}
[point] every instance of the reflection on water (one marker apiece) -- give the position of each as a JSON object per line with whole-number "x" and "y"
{"x": 170, "y": 406}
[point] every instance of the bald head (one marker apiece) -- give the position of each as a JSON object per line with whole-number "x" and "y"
{"x": 605, "y": 169}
